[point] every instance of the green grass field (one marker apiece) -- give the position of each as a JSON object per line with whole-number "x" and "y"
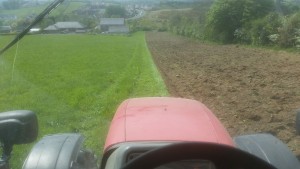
{"x": 75, "y": 82}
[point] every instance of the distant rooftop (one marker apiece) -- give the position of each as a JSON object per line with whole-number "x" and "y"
{"x": 5, "y": 28}
{"x": 7, "y": 16}
{"x": 112, "y": 21}
{"x": 66, "y": 25}
{"x": 118, "y": 29}
{"x": 51, "y": 28}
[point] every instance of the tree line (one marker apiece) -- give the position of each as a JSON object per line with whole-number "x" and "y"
{"x": 256, "y": 22}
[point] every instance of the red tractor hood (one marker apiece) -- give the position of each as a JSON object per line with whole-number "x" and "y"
{"x": 165, "y": 119}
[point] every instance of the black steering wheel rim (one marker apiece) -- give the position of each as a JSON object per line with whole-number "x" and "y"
{"x": 223, "y": 156}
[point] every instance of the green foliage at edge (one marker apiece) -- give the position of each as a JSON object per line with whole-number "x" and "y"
{"x": 226, "y": 16}
{"x": 257, "y": 22}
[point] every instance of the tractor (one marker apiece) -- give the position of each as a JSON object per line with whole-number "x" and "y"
{"x": 151, "y": 132}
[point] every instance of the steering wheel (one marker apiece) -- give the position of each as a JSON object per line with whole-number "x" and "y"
{"x": 224, "y": 157}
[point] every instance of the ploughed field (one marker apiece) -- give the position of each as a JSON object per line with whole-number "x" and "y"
{"x": 250, "y": 90}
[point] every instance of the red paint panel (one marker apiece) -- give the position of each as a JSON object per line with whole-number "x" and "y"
{"x": 165, "y": 119}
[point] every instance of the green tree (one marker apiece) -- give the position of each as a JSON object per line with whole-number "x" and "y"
{"x": 263, "y": 29}
{"x": 89, "y": 22}
{"x": 23, "y": 23}
{"x": 115, "y": 11}
{"x": 190, "y": 22}
{"x": 227, "y": 16}
{"x": 289, "y": 34}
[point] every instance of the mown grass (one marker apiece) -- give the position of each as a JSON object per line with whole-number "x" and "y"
{"x": 75, "y": 82}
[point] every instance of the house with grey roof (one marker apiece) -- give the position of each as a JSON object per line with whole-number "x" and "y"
{"x": 5, "y": 29}
{"x": 8, "y": 17}
{"x": 113, "y": 25}
{"x": 65, "y": 27}
{"x": 118, "y": 29}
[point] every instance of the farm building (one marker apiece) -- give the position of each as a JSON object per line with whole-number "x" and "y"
{"x": 8, "y": 17}
{"x": 34, "y": 30}
{"x": 118, "y": 29}
{"x": 65, "y": 27}
{"x": 113, "y": 25}
{"x": 5, "y": 29}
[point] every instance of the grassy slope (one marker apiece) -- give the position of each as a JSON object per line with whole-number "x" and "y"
{"x": 24, "y": 11}
{"x": 66, "y": 7}
{"x": 75, "y": 82}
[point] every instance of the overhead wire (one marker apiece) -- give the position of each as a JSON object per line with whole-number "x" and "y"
{"x": 19, "y": 36}
{"x": 14, "y": 62}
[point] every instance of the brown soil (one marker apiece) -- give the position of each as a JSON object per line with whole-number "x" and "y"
{"x": 250, "y": 90}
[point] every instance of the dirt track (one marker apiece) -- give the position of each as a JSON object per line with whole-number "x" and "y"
{"x": 250, "y": 90}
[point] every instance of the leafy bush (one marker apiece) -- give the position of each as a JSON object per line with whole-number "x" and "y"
{"x": 289, "y": 33}
{"x": 226, "y": 16}
{"x": 115, "y": 11}
{"x": 190, "y": 22}
{"x": 297, "y": 42}
{"x": 141, "y": 25}
{"x": 242, "y": 36}
{"x": 265, "y": 31}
